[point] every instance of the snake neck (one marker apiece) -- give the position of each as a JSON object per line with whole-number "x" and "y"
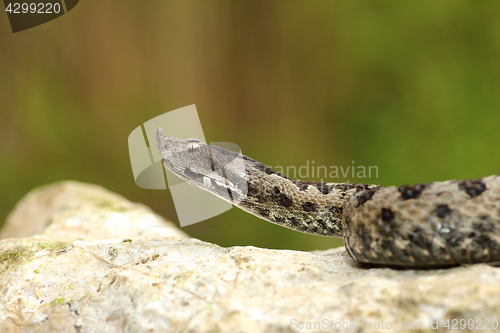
{"x": 305, "y": 206}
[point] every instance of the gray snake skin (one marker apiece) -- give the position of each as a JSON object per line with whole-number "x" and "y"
{"x": 425, "y": 225}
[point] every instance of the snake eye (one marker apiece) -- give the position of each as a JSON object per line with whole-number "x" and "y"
{"x": 193, "y": 146}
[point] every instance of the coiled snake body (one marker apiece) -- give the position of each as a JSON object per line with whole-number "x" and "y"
{"x": 425, "y": 225}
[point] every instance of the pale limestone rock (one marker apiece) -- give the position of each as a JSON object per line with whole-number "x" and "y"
{"x": 99, "y": 267}
{"x": 70, "y": 211}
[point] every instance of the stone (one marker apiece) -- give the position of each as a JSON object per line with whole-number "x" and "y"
{"x": 71, "y": 210}
{"x": 90, "y": 261}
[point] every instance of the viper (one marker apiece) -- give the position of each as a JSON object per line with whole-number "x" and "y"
{"x": 425, "y": 225}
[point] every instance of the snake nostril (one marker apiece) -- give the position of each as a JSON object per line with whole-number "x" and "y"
{"x": 387, "y": 215}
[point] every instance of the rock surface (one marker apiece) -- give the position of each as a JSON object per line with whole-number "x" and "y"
{"x": 90, "y": 261}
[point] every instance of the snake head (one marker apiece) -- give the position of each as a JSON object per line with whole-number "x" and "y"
{"x": 183, "y": 157}
{"x": 211, "y": 168}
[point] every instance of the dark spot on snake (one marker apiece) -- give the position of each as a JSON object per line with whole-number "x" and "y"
{"x": 411, "y": 192}
{"x": 212, "y": 162}
{"x": 325, "y": 189}
{"x": 365, "y": 196}
{"x": 443, "y": 211}
{"x": 336, "y": 210}
{"x": 281, "y": 199}
{"x": 387, "y": 215}
{"x": 252, "y": 191}
{"x": 309, "y": 207}
{"x": 472, "y": 187}
{"x": 348, "y": 186}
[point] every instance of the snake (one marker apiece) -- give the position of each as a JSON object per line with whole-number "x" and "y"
{"x": 444, "y": 223}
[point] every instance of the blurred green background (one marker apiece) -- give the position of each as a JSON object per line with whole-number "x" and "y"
{"x": 411, "y": 87}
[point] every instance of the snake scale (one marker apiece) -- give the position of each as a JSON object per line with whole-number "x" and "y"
{"x": 426, "y": 225}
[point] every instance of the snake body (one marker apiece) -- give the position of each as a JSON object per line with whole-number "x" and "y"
{"x": 425, "y": 225}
